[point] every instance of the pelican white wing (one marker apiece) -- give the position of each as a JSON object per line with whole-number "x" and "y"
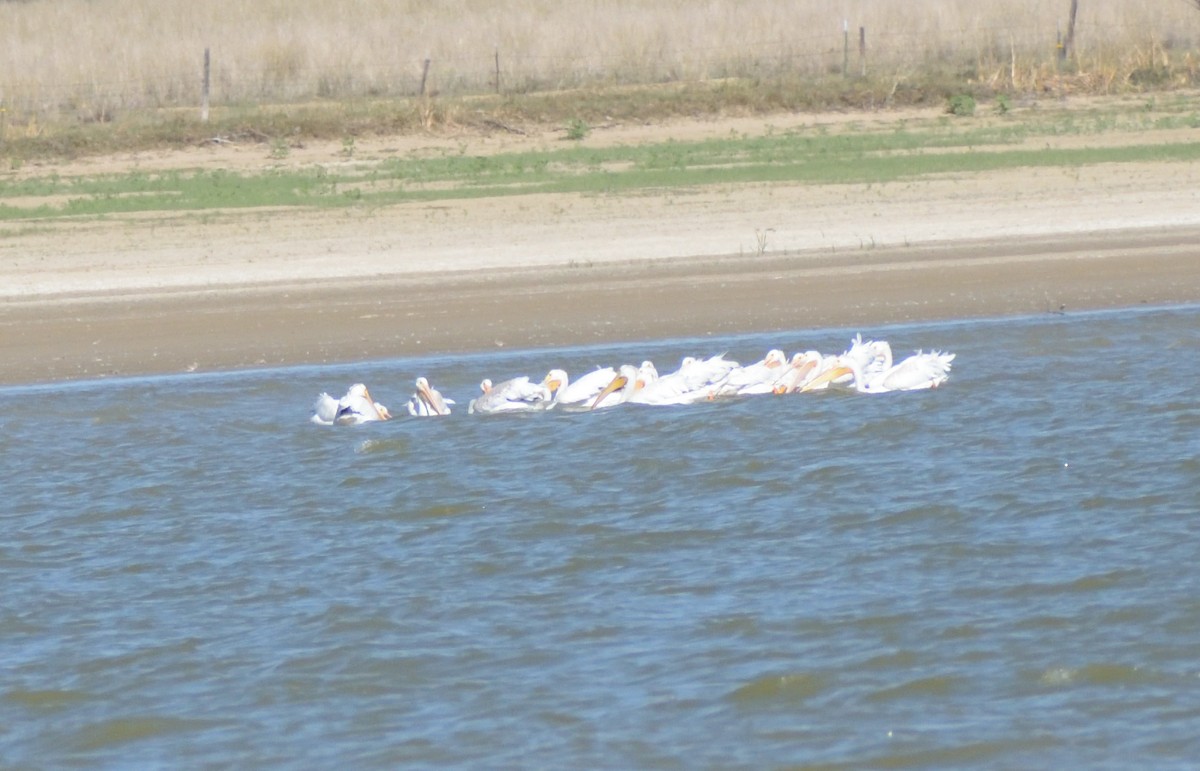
{"x": 919, "y": 371}
{"x": 871, "y": 355}
{"x": 325, "y": 410}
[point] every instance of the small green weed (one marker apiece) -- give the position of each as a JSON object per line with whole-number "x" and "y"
{"x": 961, "y": 105}
{"x": 578, "y": 129}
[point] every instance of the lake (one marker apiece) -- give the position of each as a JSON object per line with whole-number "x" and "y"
{"x": 998, "y": 573}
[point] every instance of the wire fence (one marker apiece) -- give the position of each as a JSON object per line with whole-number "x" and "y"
{"x": 855, "y": 52}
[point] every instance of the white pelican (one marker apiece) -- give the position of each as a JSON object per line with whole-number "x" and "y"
{"x": 919, "y": 371}
{"x": 756, "y": 378}
{"x": 355, "y": 407}
{"x": 515, "y": 395}
{"x": 692, "y": 382}
{"x": 580, "y": 393}
{"x": 802, "y": 368}
{"x": 871, "y": 355}
{"x": 427, "y": 401}
{"x": 619, "y": 389}
{"x": 647, "y": 374}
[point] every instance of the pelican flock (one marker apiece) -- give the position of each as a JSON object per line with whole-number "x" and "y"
{"x": 866, "y": 367}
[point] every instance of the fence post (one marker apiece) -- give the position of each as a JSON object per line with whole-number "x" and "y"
{"x": 862, "y": 49}
{"x": 1069, "y": 43}
{"x": 845, "y": 47}
{"x": 497, "y": 70}
{"x": 1012, "y": 61}
{"x": 424, "y": 76}
{"x": 204, "y": 89}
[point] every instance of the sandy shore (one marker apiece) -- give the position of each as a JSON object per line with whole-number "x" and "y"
{"x": 143, "y": 295}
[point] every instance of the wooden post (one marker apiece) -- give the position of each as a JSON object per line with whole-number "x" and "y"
{"x": 862, "y": 49}
{"x": 845, "y": 47}
{"x": 497, "y": 70}
{"x": 1069, "y": 43}
{"x": 1012, "y": 66}
{"x": 204, "y": 90}
{"x": 424, "y": 76}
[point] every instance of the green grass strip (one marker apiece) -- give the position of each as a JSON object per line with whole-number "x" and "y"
{"x": 802, "y": 159}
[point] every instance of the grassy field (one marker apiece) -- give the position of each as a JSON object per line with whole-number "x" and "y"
{"x": 899, "y": 150}
{"x": 94, "y": 76}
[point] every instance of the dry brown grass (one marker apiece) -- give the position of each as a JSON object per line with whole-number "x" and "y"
{"x": 90, "y": 61}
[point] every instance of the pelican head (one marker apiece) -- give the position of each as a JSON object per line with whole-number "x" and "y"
{"x": 554, "y": 380}
{"x": 647, "y": 373}
{"x": 433, "y": 400}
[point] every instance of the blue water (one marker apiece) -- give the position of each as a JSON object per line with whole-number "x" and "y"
{"x": 1000, "y": 573}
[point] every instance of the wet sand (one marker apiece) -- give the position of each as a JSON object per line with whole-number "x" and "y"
{"x": 527, "y": 308}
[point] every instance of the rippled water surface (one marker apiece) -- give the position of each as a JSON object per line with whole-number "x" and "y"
{"x": 1001, "y": 573}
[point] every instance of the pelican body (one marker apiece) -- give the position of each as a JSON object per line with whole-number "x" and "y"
{"x": 619, "y": 389}
{"x": 578, "y": 394}
{"x": 355, "y": 407}
{"x": 756, "y": 378}
{"x": 694, "y": 381}
{"x": 515, "y": 395}
{"x": 428, "y": 401}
